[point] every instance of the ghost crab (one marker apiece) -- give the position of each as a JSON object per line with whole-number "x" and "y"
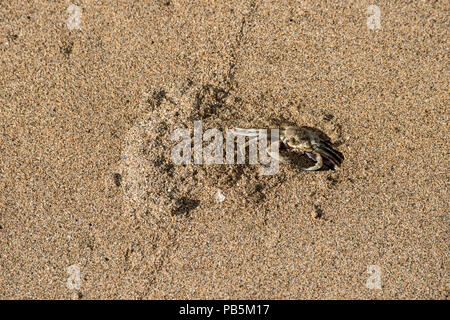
{"x": 302, "y": 140}
{"x": 311, "y": 142}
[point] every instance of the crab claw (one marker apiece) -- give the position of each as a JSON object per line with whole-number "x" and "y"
{"x": 316, "y": 157}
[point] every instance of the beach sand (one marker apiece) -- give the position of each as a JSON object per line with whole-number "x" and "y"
{"x": 92, "y": 207}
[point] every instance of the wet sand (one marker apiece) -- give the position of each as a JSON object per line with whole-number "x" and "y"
{"x": 92, "y": 207}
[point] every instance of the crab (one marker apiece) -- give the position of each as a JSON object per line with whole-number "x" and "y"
{"x": 301, "y": 140}
{"x": 311, "y": 142}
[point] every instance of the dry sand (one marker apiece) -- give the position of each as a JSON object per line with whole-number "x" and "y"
{"x": 87, "y": 183}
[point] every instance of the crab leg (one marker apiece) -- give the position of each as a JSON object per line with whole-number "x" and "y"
{"x": 329, "y": 148}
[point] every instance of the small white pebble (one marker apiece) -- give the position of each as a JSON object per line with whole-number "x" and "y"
{"x": 219, "y": 196}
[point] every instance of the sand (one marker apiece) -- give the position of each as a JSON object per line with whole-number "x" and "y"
{"x": 91, "y": 207}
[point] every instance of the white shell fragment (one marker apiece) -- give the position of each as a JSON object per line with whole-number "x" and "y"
{"x": 219, "y": 196}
